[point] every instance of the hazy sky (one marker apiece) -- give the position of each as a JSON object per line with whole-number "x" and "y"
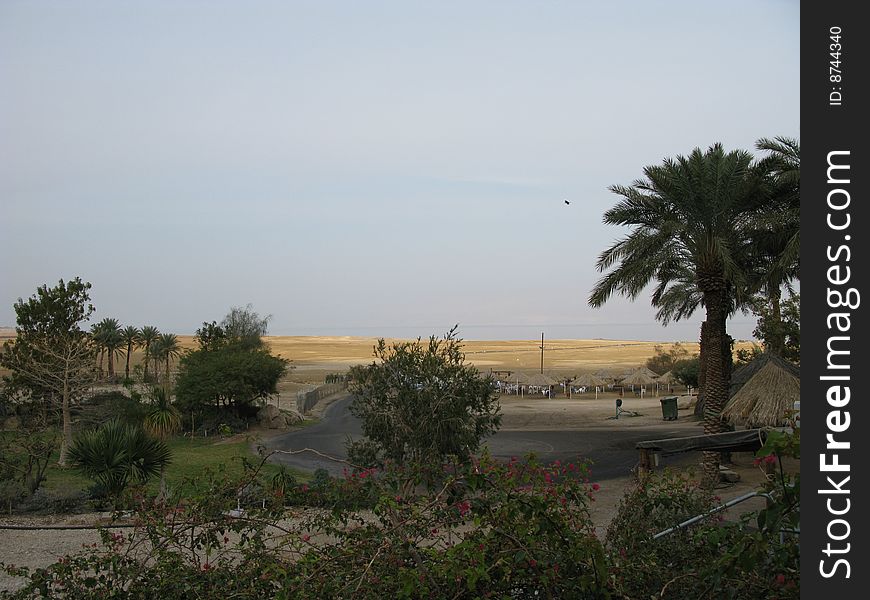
{"x": 364, "y": 168}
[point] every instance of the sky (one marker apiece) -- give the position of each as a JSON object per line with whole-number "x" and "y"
{"x": 372, "y": 168}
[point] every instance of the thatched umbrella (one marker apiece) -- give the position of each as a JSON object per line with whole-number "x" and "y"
{"x": 518, "y": 379}
{"x": 765, "y": 399}
{"x": 639, "y": 377}
{"x": 542, "y": 380}
{"x": 645, "y": 370}
{"x": 590, "y": 380}
{"x": 666, "y": 379}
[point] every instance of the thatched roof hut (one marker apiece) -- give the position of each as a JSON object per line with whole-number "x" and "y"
{"x": 639, "y": 377}
{"x": 744, "y": 373}
{"x": 667, "y": 378}
{"x": 766, "y": 398}
{"x": 589, "y": 380}
{"x": 540, "y": 379}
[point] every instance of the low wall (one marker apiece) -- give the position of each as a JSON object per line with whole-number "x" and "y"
{"x": 305, "y": 401}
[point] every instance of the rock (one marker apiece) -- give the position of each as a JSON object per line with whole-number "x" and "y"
{"x": 728, "y": 475}
{"x": 686, "y": 402}
{"x": 271, "y": 418}
{"x": 293, "y": 416}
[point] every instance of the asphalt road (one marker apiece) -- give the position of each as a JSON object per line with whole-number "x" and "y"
{"x": 611, "y": 451}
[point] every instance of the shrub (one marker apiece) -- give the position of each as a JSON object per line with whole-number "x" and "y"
{"x": 11, "y": 494}
{"x": 739, "y": 561}
{"x": 54, "y": 501}
{"x": 484, "y": 529}
{"x": 116, "y": 455}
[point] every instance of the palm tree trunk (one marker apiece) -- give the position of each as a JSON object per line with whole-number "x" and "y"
{"x": 102, "y": 353}
{"x": 166, "y": 379}
{"x": 777, "y": 338}
{"x": 147, "y": 355}
{"x": 702, "y": 368}
{"x": 715, "y": 381}
{"x": 127, "y": 367}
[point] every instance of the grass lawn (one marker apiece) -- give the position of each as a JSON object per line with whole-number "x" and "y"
{"x": 190, "y": 458}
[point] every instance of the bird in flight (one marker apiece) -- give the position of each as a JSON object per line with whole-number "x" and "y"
{"x": 566, "y": 202}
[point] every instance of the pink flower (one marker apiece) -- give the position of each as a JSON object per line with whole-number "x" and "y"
{"x": 463, "y": 507}
{"x": 306, "y": 537}
{"x": 595, "y": 487}
{"x": 780, "y": 579}
{"x": 770, "y": 459}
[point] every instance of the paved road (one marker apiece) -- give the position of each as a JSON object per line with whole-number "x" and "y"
{"x": 612, "y": 452}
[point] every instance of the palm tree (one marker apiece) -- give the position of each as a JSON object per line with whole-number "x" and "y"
{"x": 689, "y": 218}
{"x": 165, "y": 349}
{"x": 109, "y": 338}
{"x": 116, "y": 454}
{"x": 132, "y": 337}
{"x": 149, "y": 335}
{"x": 776, "y": 236}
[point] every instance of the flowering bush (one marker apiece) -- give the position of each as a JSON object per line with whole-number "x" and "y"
{"x": 479, "y": 529}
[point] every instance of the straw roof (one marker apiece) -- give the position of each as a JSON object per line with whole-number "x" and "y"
{"x": 539, "y": 379}
{"x": 765, "y": 399}
{"x": 666, "y": 378}
{"x": 516, "y": 377}
{"x": 638, "y": 378}
{"x": 608, "y": 374}
{"x": 744, "y": 373}
{"x": 589, "y": 380}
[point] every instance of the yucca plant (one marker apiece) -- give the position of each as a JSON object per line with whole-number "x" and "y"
{"x": 116, "y": 455}
{"x": 161, "y": 421}
{"x": 283, "y": 481}
{"x": 162, "y": 418}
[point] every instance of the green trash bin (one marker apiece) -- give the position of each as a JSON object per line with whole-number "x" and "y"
{"x": 669, "y": 408}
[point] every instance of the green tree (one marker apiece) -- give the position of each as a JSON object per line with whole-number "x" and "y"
{"x": 664, "y": 360}
{"x": 132, "y": 338}
{"x": 784, "y": 327}
{"x": 51, "y": 356}
{"x": 244, "y": 326}
{"x": 150, "y": 334}
{"x": 421, "y": 403}
{"x": 686, "y": 371}
{"x": 211, "y": 336}
{"x": 231, "y": 376}
{"x": 688, "y": 215}
{"x": 116, "y": 455}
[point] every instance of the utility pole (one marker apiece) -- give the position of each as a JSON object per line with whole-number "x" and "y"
{"x": 542, "y": 353}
